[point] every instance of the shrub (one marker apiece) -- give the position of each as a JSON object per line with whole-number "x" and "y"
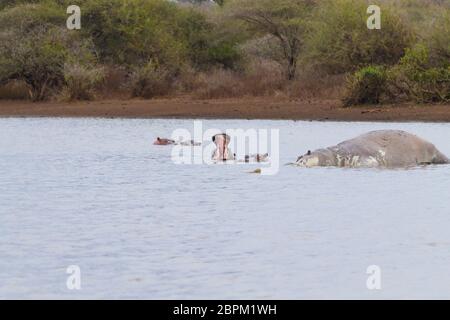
{"x": 415, "y": 78}
{"x": 34, "y": 48}
{"x": 340, "y": 42}
{"x": 421, "y": 15}
{"x": 439, "y": 41}
{"x": 209, "y": 43}
{"x": 114, "y": 84}
{"x": 150, "y": 81}
{"x": 366, "y": 86}
{"x": 219, "y": 83}
{"x": 264, "y": 77}
{"x": 135, "y": 31}
{"x": 38, "y": 60}
{"x": 80, "y": 81}
{"x": 260, "y": 78}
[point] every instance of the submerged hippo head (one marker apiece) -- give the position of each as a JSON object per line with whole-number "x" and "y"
{"x": 320, "y": 157}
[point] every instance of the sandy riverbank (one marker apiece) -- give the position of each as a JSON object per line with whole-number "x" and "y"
{"x": 244, "y": 108}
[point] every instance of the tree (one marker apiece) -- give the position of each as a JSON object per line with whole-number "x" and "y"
{"x": 284, "y": 20}
{"x": 35, "y": 46}
{"x": 340, "y": 42}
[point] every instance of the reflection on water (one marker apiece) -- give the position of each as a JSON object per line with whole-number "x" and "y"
{"x": 96, "y": 193}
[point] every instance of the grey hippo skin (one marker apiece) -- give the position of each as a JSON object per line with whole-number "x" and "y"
{"x": 383, "y": 148}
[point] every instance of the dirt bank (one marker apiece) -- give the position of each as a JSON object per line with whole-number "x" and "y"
{"x": 246, "y": 108}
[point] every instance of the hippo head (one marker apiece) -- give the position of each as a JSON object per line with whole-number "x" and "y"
{"x": 317, "y": 158}
{"x": 308, "y": 160}
{"x": 222, "y": 152}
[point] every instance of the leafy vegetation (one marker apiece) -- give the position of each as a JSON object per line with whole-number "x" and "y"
{"x": 227, "y": 48}
{"x": 366, "y": 86}
{"x": 417, "y": 77}
{"x": 341, "y": 42}
{"x": 39, "y": 57}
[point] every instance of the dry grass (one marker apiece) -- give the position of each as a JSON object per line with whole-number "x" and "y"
{"x": 81, "y": 82}
{"x": 14, "y": 90}
{"x": 261, "y": 78}
{"x": 114, "y": 82}
{"x": 150, "y": 81}
{"x": 264, "y": 78}
{"x": 316, "y": 86}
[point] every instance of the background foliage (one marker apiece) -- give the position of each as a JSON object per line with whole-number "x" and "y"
{"x": 211, "y": 49}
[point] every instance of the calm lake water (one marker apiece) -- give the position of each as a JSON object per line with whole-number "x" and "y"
{"x": 97, "y": 194}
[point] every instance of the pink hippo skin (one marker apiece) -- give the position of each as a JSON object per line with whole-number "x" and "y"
{"x": 163, "y": 142}
{"x": 222, "y": 152}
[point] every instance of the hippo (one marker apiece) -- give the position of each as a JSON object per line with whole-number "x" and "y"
{"x": 188, "y": 143}
{"x": 382, "y": 148}
{"x": 163, "y": 141}
{"x": 222, "y": 152}
{"x": 257, "y": 157}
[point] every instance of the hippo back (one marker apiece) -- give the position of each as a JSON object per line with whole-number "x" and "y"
{"x": 390, "y": 148}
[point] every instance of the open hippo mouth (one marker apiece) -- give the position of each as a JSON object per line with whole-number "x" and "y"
{"x": 383, "y": 148}
{"x": 222, "y": 152}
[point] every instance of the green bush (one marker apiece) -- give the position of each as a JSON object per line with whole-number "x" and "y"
{"x": 209, "y": 44}
{"x": 422, "y": 16}
{"x": 34, "y": 48}
{"x": 38, "y": 60}
{"x": 416, "y": 78}
{"x": 438, "y": 41}
{"x": 31, "y": 14}
{"x": 37, "y": 48}
{"x": 366, "y": 86}
{"x": 133, "y": 32}
{"x": 340, "y": 42}
{"x": 163, "y": 46}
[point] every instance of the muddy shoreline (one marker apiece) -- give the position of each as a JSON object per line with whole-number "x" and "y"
{"x": 242, "y": 108}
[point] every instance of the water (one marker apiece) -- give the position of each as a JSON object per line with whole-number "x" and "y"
{"x": 97, "y": 194}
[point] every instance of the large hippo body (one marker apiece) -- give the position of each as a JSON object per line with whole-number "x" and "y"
{"x": 384, "y": 148}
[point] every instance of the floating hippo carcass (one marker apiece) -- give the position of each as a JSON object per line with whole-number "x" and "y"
{"x": 383, "y": 148}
